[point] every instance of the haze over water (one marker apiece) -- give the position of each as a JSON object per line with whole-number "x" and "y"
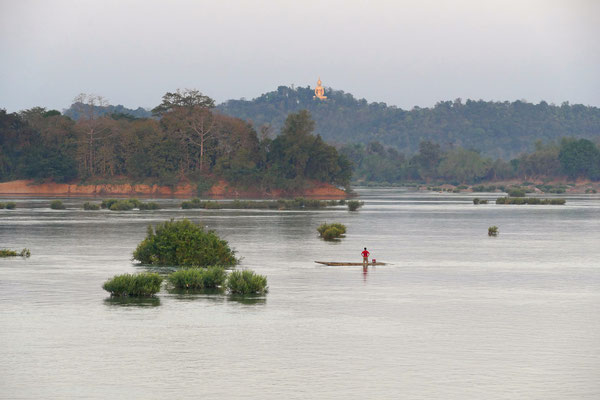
{"x": 457, "y": 314}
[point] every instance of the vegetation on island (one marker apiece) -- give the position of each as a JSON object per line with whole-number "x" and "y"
{"x": 299, "y": 203}
{"x": 247, "y": 283}
{"x": 91, "y": 206}
{"x": 198, "y": 278}
{"x": 493, "y": 231}
{"x": 134, "y": 285}
{"x": 57, "y": 205}
{"x": 186, "y": 140}
{"x": 354, "y": 205}
{"x": 11, "y": 205}
{"x": 331, "y": 231}
{"x": 126, "y": 205}
{"x": 183, "y": 243}
{"x": 25, "y": 253}
{"x": 529, "y": 200}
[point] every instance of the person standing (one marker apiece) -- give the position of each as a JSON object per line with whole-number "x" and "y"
{"x": 365, "y": 253}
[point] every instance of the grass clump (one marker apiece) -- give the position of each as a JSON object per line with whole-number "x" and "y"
{"x": 493, "y": 231}
{"x": 91, "y": 206}
{"x": 128, "y": 204}
{"x": 529, "y": 200}
{"x": 354, "y": 205}
{"x": 247, "y": 282}
{"x": 26, "y": 253}
{"x": 11, "y": 205}
{"x": 183, "y": 243}
{"x": 198, "y": 278}
{"x": 331, "y": 231}
{"x": 516, "y": 192}
{"x": 477, "y": 201}
{"x": 57, "y": 205}
{"x": 136, "y": 285}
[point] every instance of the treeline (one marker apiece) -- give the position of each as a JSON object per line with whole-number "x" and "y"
{"x": 187, "y": 140}
{"x": 496, "y": 129}
{"x": 570, "y": 158}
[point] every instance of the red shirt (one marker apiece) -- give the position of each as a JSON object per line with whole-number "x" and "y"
{"x": 365, "y": 253}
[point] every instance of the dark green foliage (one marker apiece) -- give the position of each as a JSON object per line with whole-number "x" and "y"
{"x": 183, "y": 243}
{"x": 90, "y": 206}
{"x": 354, "y": 205}
{"x": 476, "y": 201}
{"x": 516, "y": 192}
{"x": 136, "y": 285}
{"x": 493, "y": 231}
{"x": 483, "y": 188}
{"x": 299, "y": 203}
{"x": 57, "y": 205}
{"x": 247, "y": 283}
{"x": 331, "y": 231}
{"x": 128, "y": 204}
{"x": 552, "y": 189}
{"x": 198, "y": 278}
{"x": 2, "y": 205}
{"x": 529, "y": 200}
{"x": 580, "y": 158}
{"x": 11, "y": 205}
{"x": 497, "y": 129}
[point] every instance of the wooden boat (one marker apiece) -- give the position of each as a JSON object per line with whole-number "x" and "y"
{"x": 348, "y": 263}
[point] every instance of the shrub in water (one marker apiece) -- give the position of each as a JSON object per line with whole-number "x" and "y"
{"x": 516, "y": 192}
{"x": 108, "y": 203}
{"x": 183, "y": 243}
{"x": 143, "y": 284}
{"x": 90, "y": 206}
{"x": 8, "y": 253}
{"x": 11, "y": 205}
{"x": 529, "y": 200}
{"x": 331, "y": 231}
{"x": 57, "y": 205}
{"x": 354, "y": 205}
{"x": 475, "y": 201}
{"x": 2, "y": 205}
{"x": 247, "y": 282}
{"x": 198, "y": 278}
{"x": 493, "y": 231}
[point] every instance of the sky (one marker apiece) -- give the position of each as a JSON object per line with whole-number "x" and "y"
{"x": 403, "y": 53}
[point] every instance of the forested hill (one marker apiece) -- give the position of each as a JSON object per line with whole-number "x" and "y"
{"x": 497, "y": 129}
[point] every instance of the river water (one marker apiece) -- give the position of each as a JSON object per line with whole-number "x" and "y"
{"x": 457, "y": 314}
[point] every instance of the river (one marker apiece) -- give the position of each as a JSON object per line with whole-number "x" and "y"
{"x": 456, "y": 314}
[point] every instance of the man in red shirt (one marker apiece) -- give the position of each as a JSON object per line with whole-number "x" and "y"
{"x": 365, "y": 255}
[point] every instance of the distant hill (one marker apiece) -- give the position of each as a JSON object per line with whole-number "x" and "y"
{"x": 73, "y": 111}
{"x": 496, "y": 129}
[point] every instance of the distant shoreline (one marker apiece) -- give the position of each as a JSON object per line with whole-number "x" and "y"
{"x": 220, "y": 189}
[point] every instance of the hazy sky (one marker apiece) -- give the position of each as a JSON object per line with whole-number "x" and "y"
{"x": 404, "y": 53}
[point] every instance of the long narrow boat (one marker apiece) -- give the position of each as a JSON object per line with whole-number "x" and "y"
{"x": 344, "y": 263}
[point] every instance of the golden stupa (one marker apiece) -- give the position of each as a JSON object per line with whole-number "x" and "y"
{"x": 319, "y": 91}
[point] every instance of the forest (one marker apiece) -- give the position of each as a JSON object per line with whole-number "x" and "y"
{"x": 567, "y": 159}
{"x": 495, "y": 129}
{"x": 186, "y": 140}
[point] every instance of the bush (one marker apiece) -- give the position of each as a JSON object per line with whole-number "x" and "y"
{"x": 143, "y": 284}
{"x": 476, "y": 201}
{"x": 12, "y": 253}
{"x": 57, "y": 205}
{"x": 90, "y": 206}
{"x": 247, "y": 282}
{"x": 529, "y": 200}
{"x": 11, "y": 205}
{"x": 516, "y": 192}
{"x": 354, "y": 205}
{"x": 183, "y": 243}
{"x": 108, "y": 203}
{"x": 493, "y": 231}
{"x": 198, "y": 278}
{"x": 2, "y": 205}
{"x": 331, "y": 231}
{"x": 122, "y": 205}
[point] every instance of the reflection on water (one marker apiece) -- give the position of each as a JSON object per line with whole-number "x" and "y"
{"x": 454, "y": 315}
{"x": 132, "y": 301}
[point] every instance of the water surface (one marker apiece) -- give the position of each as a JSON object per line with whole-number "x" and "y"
{"x": 457, "y": 314}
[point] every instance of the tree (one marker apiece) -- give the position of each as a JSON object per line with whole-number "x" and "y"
{"x": 580, "y": 158}
{"x": 187, "y": 115}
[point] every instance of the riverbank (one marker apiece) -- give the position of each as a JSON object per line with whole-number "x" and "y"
{"x": 221, "y": 189}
